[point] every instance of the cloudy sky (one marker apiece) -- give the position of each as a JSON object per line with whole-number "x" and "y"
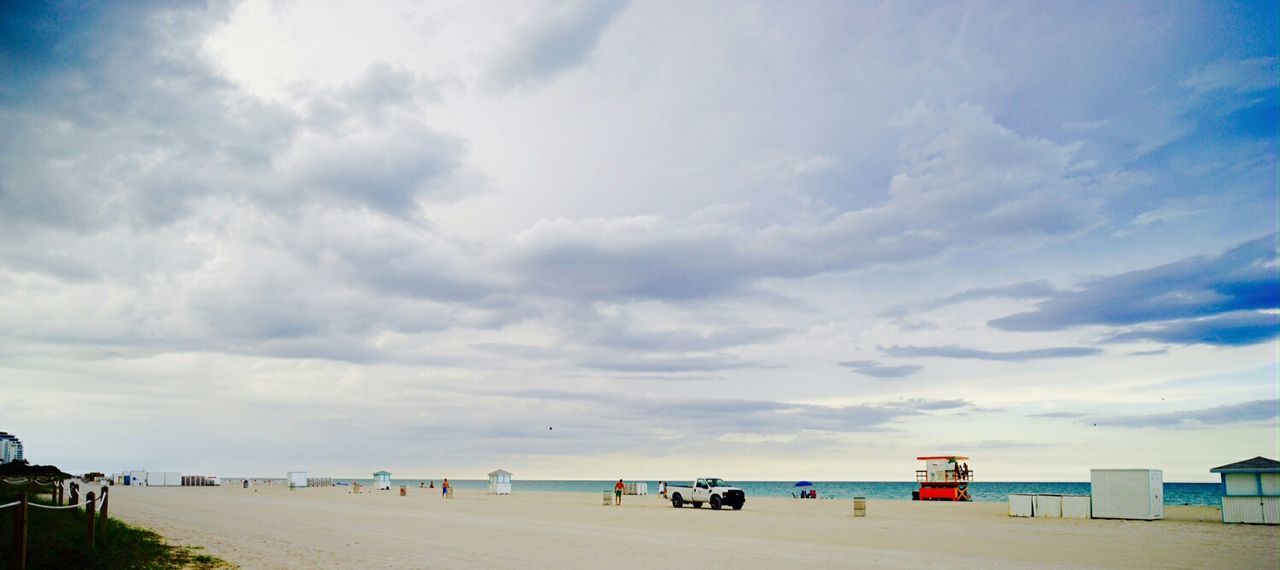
{"x": 760, "y": 240}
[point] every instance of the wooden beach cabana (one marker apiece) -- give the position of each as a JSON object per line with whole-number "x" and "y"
{"x": 1250, "y": 491}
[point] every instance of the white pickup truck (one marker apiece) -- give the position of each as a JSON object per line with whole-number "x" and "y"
{"x": 707, "y": 490}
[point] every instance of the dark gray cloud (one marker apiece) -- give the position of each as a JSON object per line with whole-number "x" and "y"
{"x": 1243, "y": 278}
{"x": 877, "y": 370}
{"x": 1232, "y": 329}
{"x": 954, "y": 351}
{"x": 562, "y": 37}
{"x": 1244, "y": 412}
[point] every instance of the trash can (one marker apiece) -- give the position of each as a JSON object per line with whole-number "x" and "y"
{"x": 608, "y": 498}
{"x": 859, "y": 506}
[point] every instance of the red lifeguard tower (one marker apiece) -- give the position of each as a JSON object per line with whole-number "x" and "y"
{"x": 944, "y": 478}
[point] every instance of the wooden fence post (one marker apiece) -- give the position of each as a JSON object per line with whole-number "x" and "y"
{"x": 20, "y": 533}
{"x": 106, "y": 499}
{"x": 88, "y": 510}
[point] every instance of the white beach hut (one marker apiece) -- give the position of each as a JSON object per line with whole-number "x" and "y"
{"x": 1250, "y": 491}
{"x": 382, "y": 481}
{"x": 297, "y": 479}
{"x": 500, "y": 483}
{"x": 1136, "y": 494}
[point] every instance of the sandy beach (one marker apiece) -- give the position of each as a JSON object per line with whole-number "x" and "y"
{"x": 332, "y": 528}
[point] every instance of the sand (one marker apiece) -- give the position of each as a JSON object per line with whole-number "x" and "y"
{"x": 331, "y": 528}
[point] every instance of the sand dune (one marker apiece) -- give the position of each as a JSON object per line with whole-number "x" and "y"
{"x": 331, "y": 528}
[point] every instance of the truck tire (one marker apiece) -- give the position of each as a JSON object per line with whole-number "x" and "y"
{"x": 737, "y": 507}
{"x": 676, "y": 501}
{"x": 715, "y": 502}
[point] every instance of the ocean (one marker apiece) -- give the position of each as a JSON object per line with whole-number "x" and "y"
{"x": 1198, "y": 494}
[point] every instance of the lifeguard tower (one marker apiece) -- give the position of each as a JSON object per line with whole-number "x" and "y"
{"x": 382, "y": 481}
{"x": 944, "y": 478}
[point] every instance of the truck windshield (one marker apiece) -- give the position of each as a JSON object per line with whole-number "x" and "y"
{"x": 717, "y": 483}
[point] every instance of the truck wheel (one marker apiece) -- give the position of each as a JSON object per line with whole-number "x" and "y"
{"x": 676, "y": 501}
{"x": 697, "y": 505}
{"x": 715, "y": 502}
{"x": 737, "y": 507}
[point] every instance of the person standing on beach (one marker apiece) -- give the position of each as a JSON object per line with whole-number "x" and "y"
{"x": 617, "y": 493}
{"x": 444, "y": 488}
{"x": 662, "y": 488}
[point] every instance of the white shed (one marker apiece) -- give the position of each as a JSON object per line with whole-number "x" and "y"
{"x": 382, "y": 481}
{"x": 1076, "y": 507}
{"x": 164, "y": 479}
{"x": 1250, "y": 491}
{"x": 1021, "y": 505}
{"x": 297, "y": 479}
{"x": 500, "y": 483}
{"x": 1136, "y": 494}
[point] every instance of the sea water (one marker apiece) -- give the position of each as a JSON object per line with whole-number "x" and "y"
{"x": 1198, "y": 494}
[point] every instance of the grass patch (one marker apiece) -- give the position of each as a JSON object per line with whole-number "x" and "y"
{"x": 59, "y": 539}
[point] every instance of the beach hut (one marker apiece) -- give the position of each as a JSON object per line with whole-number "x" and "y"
{"x": 1136, "y": 494}
{"x": 297, "y": 479}
{"x": 500, "y": 482}
{"x": 382, "y": 481}
{"x": 1250, "y": 491}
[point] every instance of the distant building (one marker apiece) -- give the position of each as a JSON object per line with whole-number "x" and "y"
{"x": 10, "y": 448}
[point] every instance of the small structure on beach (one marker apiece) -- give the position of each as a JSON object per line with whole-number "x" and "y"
{"x": 944, "y": 478}
{"x": 1134, "y": 494}
{"x": 382, "y": 481}
{"x": 1250, "y": 491}
{"x": 500, "y": 482}
{"x": 297, "y": 479}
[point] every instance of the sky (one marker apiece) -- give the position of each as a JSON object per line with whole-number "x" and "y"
{"x": 648, "y": 239}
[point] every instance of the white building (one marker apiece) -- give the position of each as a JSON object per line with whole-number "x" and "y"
{"x": 1250, "y": 491}
{"x": 10, "y": 448}
{"x": 1135, "y": 494}
{"x": 500, "y": 483}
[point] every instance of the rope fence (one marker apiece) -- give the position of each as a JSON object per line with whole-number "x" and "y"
{"x": 95, "y": 506}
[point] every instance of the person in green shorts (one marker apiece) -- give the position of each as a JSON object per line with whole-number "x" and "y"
{"x": 617, "y": 493}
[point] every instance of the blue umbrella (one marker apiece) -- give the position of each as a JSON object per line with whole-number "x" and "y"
{"x": 804, "y": 484}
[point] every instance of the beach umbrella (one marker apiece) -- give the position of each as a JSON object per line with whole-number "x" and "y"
{"x": 804, "y": 484}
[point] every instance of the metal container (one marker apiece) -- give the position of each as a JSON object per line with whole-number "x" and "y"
{"x": 608, "y": 498}
{"x": 859, "y": 506}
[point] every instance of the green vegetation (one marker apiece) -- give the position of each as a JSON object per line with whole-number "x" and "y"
{"x": 59, "y": 539}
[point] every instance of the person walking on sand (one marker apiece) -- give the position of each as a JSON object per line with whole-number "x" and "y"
{"x": 617, "y": 493}
{"x": 444, "y": 488}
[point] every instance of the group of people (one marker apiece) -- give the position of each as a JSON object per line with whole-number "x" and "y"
{"x": 809, "y": 494}
{"x": 444, "y": 487}
{"x": 962, "y": 471}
